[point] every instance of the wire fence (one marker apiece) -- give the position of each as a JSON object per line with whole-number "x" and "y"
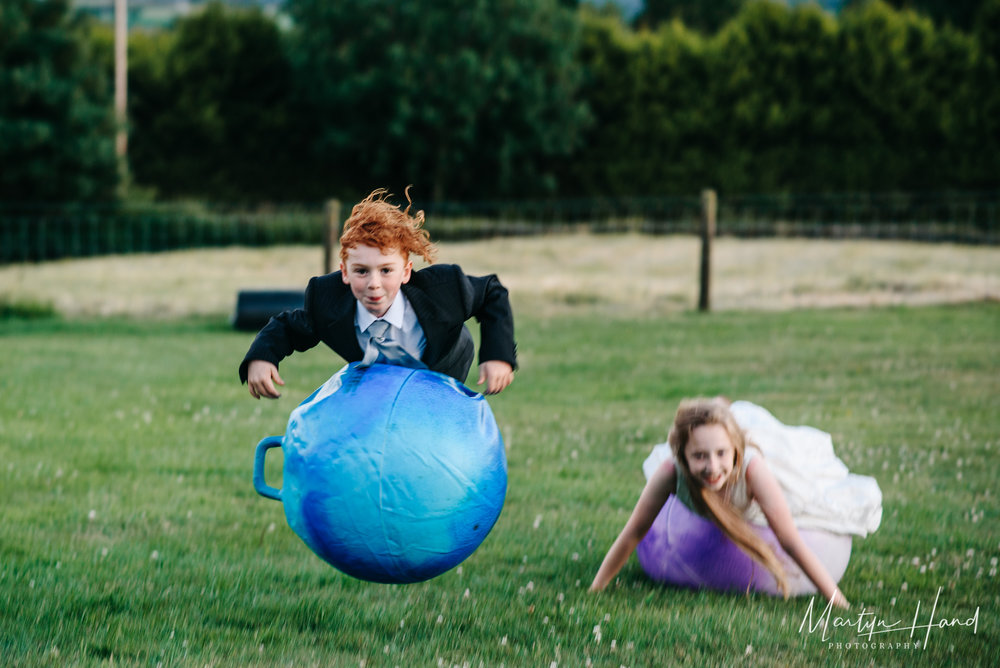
{"x": 35, "y": 233}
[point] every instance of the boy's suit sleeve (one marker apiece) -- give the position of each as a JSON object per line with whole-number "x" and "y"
{"x": 285, "y": 333}
{"x": 487, "y": 300}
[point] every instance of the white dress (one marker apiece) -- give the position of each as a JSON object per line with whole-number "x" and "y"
{"x": 821, "y": 493}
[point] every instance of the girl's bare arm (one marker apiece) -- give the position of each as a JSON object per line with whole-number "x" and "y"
{"x": 661, "y": 485}
{"x": 766, "y": 490}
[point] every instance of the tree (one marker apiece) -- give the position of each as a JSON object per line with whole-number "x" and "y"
{"x": 706, "y": 17}
{"x": 774, "y": 91}
{"x": 56, "y": 121}
{"x": 647, "y": 93}
{"x": 959, "y": 13}
{"x": 463, "y": 98}
{"x": 209, "y": 108}
{"x": 905, "y": 97}
{"x": 983, "y": 101}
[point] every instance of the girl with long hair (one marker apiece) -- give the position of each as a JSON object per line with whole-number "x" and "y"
{"x": 716, "y": 471}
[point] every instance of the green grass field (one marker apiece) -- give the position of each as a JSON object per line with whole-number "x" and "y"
{"x": 132, "y": 535}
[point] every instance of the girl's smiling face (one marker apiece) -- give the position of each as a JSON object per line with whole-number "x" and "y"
{"x": 710, "y": 455}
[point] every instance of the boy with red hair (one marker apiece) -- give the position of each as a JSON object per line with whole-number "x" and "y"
{"x": 377, "y": 309}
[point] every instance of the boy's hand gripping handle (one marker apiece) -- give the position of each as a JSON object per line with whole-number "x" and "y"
{"x": 258, "y": 468}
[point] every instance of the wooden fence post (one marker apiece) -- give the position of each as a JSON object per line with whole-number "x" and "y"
{"x": 709, "y": 207}
{"x": 331, "y": 235}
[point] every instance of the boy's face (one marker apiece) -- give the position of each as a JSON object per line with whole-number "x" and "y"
{"x": 375, "y": 276}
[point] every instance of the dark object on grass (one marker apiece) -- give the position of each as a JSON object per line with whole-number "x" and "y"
{"x": 255, "y": 307}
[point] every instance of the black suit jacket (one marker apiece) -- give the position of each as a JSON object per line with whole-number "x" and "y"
{"x": 442, "y": 297}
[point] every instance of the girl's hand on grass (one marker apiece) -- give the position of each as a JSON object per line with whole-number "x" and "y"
{"x": 839, "y": 600}
{"x": 261, "y": 377}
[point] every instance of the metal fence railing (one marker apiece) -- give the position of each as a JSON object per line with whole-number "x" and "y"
{"x": 33, "y": 233}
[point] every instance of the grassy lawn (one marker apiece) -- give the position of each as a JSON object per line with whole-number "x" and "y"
{"x": 132, "y": 535}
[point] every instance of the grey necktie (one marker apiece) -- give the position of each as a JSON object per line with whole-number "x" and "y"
{"x": 380, "y": 348}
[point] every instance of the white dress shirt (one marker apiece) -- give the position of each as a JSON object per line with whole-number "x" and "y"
{"x": 404, "y": 328}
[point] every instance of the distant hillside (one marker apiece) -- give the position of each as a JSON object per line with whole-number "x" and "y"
{"x": 161, "y": 13}
{"x": 632, "y": 8}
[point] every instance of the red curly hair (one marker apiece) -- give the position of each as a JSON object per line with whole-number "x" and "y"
{"x": 377, "y": 223}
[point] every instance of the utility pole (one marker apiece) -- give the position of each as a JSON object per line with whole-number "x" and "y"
{"x": 121, "y": 77}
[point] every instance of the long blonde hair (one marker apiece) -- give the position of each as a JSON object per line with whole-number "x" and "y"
{"x": 694, "y": 413}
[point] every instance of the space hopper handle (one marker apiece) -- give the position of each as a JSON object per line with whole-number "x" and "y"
{"x": 259, "y": 483}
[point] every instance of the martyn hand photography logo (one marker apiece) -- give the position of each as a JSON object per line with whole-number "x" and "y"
{"x": 872, "y": 632}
